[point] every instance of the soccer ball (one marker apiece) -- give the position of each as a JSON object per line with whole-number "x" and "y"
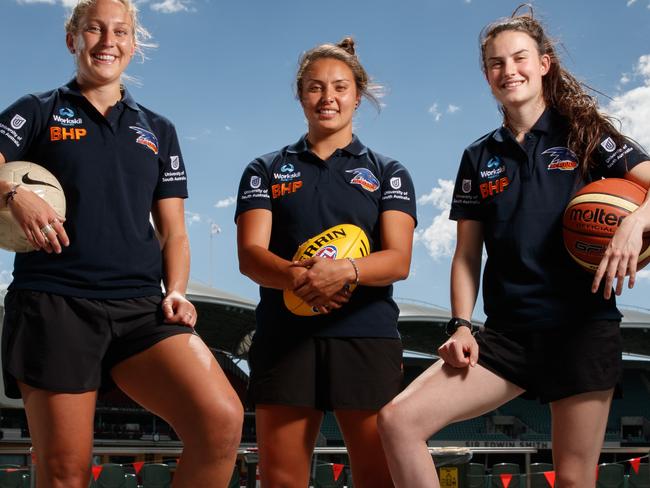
{"x": 40, "y": 181}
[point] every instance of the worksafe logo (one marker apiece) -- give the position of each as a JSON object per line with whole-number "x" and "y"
{"x": 146, "y": 138}
{"x": 364, "y": 178}
{"x": 66, "y": 116}
{"x": 495, "y": 169}
{"x": 287, "y": 168}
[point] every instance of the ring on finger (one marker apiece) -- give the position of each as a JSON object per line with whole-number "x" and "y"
{"x": 46, "y": 228}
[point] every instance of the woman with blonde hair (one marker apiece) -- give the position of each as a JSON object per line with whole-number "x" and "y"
{"x": 86, "y": 308}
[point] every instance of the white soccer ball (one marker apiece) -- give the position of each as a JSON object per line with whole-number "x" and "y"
{"x": 40, "y": 181}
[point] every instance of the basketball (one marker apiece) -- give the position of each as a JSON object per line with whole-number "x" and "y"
{"x": 338, "y": 242}
{"x": 40, "y": 181}
{"x": 593, "y": 216}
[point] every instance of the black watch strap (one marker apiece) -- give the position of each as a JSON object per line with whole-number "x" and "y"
{"x": 456, "y": 322}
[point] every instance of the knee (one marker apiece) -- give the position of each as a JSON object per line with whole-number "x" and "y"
{"x": 392, "y": 421}
{"x": 217, "y": 426}
{"x": 570, "y": 478}
{"x": 66, "y": 470}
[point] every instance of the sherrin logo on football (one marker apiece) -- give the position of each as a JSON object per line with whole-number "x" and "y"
{"x": 338, "y": 242}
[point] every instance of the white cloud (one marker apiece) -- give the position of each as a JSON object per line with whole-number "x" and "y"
{"x": 625, "y": 79}
{"x": 171, "y": 6}
{"x": 5, "y": 278}
{"x": 452, "y": 109}
{"x": 630, "y": 2}
{"x": 65, "y": 3}
{"x": 433, "y": 110}
{"x": 440, "y": 236}
{"x": 632, "y": 107}
{"x": 644, "y": 274}
{"x": 192, "y": 217}
{"x": 226, "y": 202}
{"x": 643, "y": 68}
{"x": 228, "y": 128}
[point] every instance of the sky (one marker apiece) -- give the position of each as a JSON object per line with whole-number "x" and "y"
{"x": 223, "y": 73}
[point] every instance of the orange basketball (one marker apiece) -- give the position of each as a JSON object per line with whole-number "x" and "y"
{"x": 593, "y": 215}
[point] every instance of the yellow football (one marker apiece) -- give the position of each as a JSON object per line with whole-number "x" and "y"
{"x": 338, "y": 242}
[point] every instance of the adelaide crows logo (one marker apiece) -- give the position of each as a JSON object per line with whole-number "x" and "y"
{"x": 364, "y": 178}
{"x": 146, "y": 138}
{"x": 563, "y": 159}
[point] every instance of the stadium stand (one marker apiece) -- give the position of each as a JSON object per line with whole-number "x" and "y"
{"x": 227, "y": 323}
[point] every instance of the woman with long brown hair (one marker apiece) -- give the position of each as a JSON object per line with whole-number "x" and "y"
{"x": 552, "y": 332}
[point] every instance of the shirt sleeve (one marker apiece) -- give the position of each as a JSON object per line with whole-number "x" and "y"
{"x": 397, "y": 191}
{"x": 19, "y": 124}
{"x": 173, "y": 176}
{"x": 466, "y": 200}
{"x": 253, "y": 189}
{"x": 614, "y": 160}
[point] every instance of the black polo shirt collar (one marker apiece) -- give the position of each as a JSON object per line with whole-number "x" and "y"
{"x": 72, "y": 88}
{"x": 550, "y": 121}
{"x": 355, "y": 148}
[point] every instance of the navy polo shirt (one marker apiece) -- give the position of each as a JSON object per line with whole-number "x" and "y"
{"x": 519, "y": 193}
{"x": 307, "y": 195}
{"x": 112, "y": 169}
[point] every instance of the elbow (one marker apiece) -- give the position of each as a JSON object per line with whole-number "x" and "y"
{"x": 402, "y": 272}
{"x": 245, "y": 267}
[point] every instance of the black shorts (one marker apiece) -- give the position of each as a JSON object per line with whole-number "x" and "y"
{"x": 326, "y": 373}
{"x": 552, "y": 364}
{"x": 69, "y": 345}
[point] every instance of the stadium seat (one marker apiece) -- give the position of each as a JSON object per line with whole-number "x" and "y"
{"x": 505, "y": 468}
{"x": 156, "y": 476}
{"x": 348, "y": 478}
{"x": 640, "y": 479}
{"x": 130, "y": 480}
{"x": 11, "y": 479}
{"x": 476, "y": 477}
{"x": 324, "y": 477}
{"x": 234, "y": 481}
{"x": 26, "y": 482}
{"x": 111, "y": 476}
{"x": 496, "y": 479}
{"x": 610, "y": 475}
{"x": 538, "y": 480}
{"x": 540, "y": 467}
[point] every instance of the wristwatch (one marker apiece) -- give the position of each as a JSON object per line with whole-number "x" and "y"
{"x": 455, "y": 322}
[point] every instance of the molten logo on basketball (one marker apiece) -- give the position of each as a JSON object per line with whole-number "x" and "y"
{"x": 593, "y": 216}
{"x": 597, "y": 217}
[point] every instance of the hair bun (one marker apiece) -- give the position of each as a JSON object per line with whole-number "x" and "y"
{"x": 347, "y": 44}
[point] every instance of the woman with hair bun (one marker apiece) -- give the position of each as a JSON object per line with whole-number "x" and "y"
{"x": 347, "y": 358}
{"x": 86, "y": 307}
{"x": 552, "y": 331}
